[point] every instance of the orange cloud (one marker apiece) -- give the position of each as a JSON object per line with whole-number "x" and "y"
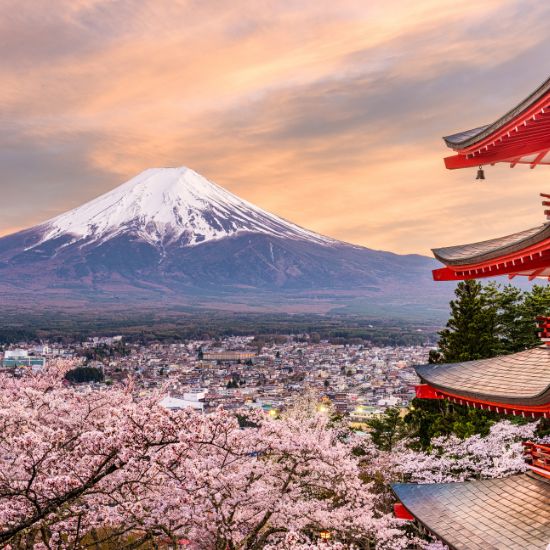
{"x": 326, "y": 113}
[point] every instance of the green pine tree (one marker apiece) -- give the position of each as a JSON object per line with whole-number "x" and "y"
{"x": 536, "y": 303}
{"x": 470, "y": 333}
{"x": 387, "y": 429}
{"x": 515, "y": 324}
{"x": 485, "y": 321}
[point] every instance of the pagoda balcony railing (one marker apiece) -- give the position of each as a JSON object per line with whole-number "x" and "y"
{"x": 537, "y": 456}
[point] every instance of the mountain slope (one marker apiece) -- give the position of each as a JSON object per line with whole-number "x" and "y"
{"x": 171, "y": 236}
{"x": 164, "y": 205}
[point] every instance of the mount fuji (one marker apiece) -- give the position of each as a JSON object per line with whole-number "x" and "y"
{"x": 170, "y": 236}
{"x": 163, "y": 206}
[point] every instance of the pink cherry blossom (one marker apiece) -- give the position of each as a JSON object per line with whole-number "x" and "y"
{"x": 498, "y": 454}
{"x": 79, "y": 465}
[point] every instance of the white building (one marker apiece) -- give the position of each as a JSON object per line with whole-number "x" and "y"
{"x": 193, "y": 400}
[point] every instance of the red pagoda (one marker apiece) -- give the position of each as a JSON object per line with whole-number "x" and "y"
{"x": 521, "y": 136}
{"x": 514, "y": 512}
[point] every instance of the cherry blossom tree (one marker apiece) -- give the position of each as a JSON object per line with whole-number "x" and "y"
{"x": 81, "y": 467}
{"x": 61, "y": 449}
{"x": 498, "y": 454}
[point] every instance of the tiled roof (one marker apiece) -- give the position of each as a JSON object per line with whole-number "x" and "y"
{"x": 474, "y": 253}
{"x": 460, "y": 137}
{"x": 467, "y": 138}
{"x": 522, "y": 377}
{"x": 494, "y": 514}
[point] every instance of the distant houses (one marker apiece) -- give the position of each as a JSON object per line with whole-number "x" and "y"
{"x": 19, "y": 358}
{"x": 230, "y": 356}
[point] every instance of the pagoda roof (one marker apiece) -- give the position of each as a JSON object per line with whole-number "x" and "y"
{"x": 520, "y": 381}
{"x": 523, "y": 253}
{"x": 455, "y": 140}
{"x": 466, "y": 254}
{"x": 491, "y": 514}
{"x": 522, "y": 135}
{"x": 468, "y": 138}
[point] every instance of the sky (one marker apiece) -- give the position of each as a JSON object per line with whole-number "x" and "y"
{"x": 327, "y": 113}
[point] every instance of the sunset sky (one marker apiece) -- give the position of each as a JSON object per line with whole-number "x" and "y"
{"x": 328, "y": 113}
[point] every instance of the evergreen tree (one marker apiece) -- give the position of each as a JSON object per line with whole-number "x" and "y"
{"x": 387, "y": 429}
{"x": 517, "y": 311}
{"x": 435, "y": 356}
{"x": 536, "y": 303}
{"x": 515, "y": 324}
{"x": 429, "y": 418}
{"x": 81, "y": 375}
{"x": 485, "y": 321}
{"x": 470, "y": 332}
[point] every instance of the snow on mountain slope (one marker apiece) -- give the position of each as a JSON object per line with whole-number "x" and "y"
{"x": 171, "y": 237}
{"x": 165, "y": 205}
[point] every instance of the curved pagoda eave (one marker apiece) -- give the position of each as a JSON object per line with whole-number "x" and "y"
{"x": 494, "y": 509}
{"x": 510, "y": 384}
{"x": 521, "y": 136}
{"x": 524, "y": 253}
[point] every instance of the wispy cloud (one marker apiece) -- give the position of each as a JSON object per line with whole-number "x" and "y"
{"x": 327, "y": 113}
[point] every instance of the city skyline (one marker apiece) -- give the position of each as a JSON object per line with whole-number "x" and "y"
{"x": 327, "y": 115}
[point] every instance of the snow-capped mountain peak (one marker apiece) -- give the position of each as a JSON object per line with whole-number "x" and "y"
{"x": 163, "y": 205}
{"x": 141, "y": 246}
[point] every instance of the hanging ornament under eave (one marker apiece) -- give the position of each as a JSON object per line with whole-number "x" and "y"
{"x": 480, "y": 173}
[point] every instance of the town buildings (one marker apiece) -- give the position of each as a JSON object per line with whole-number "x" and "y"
{"x": 359, "y": 380}
{"x": 21, "y": 358}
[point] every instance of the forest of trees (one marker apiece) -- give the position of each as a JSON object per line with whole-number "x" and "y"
{"x": 176, "y": 327}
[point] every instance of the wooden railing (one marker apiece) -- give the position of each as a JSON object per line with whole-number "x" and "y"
{"x": 538, "y": 457}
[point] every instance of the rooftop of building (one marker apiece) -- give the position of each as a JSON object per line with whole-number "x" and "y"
{"x": 519, "y": 378}
{"x": 467, "y": 138}
{"x": 475, "y": 253}
{"x": 491, "y": 514}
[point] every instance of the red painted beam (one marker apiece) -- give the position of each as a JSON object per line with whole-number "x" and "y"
{"x": 528, "y": 261}
{"x": 447, "y": 274}
{"x": 425, "y": 391}
{"x": 535, "y": 273}
{"x": 537, "y": 160}
{"x": 534, "y": 411}
{"x": 508, "y": 154}
{"x": 522, "y": 121}
{"x": 460, "y": 161}
{"x": 401, "y": 512}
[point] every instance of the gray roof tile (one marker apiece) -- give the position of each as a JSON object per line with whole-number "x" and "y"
{"x": 467, "y": 138}
{"x": 520, "y": 378}
{"x": 474, "y": 253}
{"x": 483, "y": 524}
